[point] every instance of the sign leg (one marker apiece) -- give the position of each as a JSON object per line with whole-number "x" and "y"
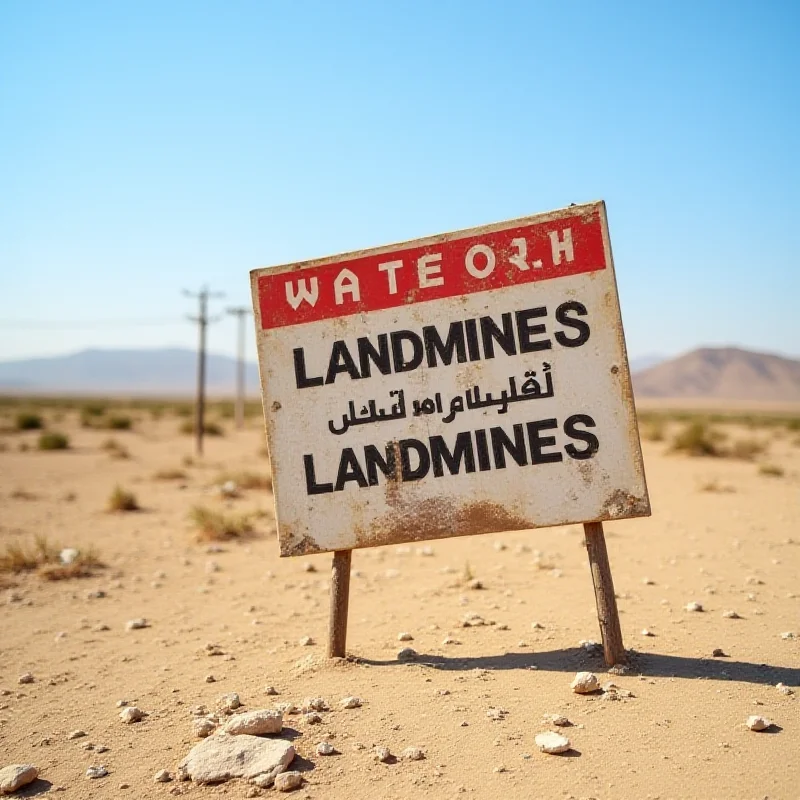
{"x": 607, "y": 614}
{"x": 340, "y": 597}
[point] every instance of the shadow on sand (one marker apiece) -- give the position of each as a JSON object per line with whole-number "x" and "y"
{"x": 575, "y": 659}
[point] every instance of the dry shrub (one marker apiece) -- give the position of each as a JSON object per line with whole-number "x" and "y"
{"x": 746, "y": 449}
{"x": 246, "y": 480}
{"x": 771, "y": 471}
{"x": 716, "y": 487}
{"x": 43, "y": 557}
{"x": 654, "y": 431}
{"x": 209, "y": 428}
{"x": 115, "y": 449}
{"x": 26, "y": 421}
{"x": 23, "y": 494}
{"x": 170, "y": 475}
{"x": 698, "y": 439}
{"x": 214, "y": 526}
{"x": 122, "y": 500}
{"x": 53, "y": 441}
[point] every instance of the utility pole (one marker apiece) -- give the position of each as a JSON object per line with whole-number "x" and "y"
{"x": 202, "y": 320}
{"x": 240, "y": 312}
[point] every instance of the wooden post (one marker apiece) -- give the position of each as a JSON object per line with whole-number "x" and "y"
{"x": 340, "y": 597}
{"x": 607, "y": 614}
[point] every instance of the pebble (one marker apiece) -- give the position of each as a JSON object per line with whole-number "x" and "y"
{"x": 730, "y": 615}
{"x": 325, "y": 749}
{"x": 584, "y": 683}
{"x": 472, "y": 620}
{"x": 590, "y": 646}
{"x": 256, "y": 723}
{"x": 405, "y": 637}
{"x": 450, "y": 640}
{"x": 756, "y": 723}
{"x": 287, "y": 708}
{"x": 537, "y": 626}
{"x": 203, "y": 727}
{"x": 552, "y": 743}
{"x": 15, "y": 776}
{"x": 646, "y": 632}
{"x": 694, "y": 606}
{"x": 229, "y": 702}
{"x": 97, "y": 772}
{"x": 312, "y": 718}
{"x": 413, "y": 754}
{"x": 407, "y": 654}
{"x": 122, "y": 703}
{"x": 26, "y": 677}
{"x": 136, "y": 624}
{"x": 557, "y": 719}
{"x": 210, "y": 679}
{"x": 314, "y": 704}
{"x": 787, "y": 635}
{"x": 350, "y": 702}
{"x": 131, "y": 714}
{"x": 288, "y": 781}
{"x": 784, "y": 689}
{"x": 306, "y": 641}
{"x": 475, "y": 584}
{"x": 213, "y": 649}
{"x": 382, "y": 754}
{"x": 76, "y": 734}
{"x": 162, "y": 776}
{"x": 718, "y": 652}
{"x": 270, "y": 690}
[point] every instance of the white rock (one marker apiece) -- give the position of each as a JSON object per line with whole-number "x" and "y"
{"x": 784, "y": 689}
{"x": 312, "y": 718}
{"x": 537, "y": 626}
{"x": 407, "y": 654}
{"x": 325, "y": 749}
{"x": 584, "y": 683}
{"x": 229, "y": 702}
{"x": 15, "y": 776}
{"x": 255, "y": 723}
{"x": 203, "y": 727}
{"x": 552, "y": 743}
{"x": 472, "y": 620}
{"x": 271, "y": 690}
{"x": 288, "y": 781}
{"x": 787, "y": 635}
{"x": 694, "y": 606}
{"x": 405, "y": 637}
{"x": 756, "y": 723}
{"x": 350, "y": 702}
{"x": 314, "y": 704}
{"x": 221, "y": 757}
{"x": 76, "y": 734}
{"x": 131, "y": 714}
{"x": 730, "y": 615}
{"x": 68, "y": 555}
{"x": 136, "y": 624}
{"x": 382, "y": 754}
{"x": 26, "y": 677}
{"x": 97, "y": 772}
{"x": 162, "y": 776}
{"x": 287, "y": 708}
{"x": 590, "y": 646}
{"x": 306, "y": 641}
{"x": 646, "y": 632}
{"x": 413, "y": 754}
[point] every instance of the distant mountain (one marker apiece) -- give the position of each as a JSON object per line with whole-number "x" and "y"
{"x": 722, "y": 373}
{"x": 638, "y": 363}
{"x": 161, "y": 372}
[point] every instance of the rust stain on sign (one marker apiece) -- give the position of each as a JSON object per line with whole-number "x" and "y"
{"x": 466, "y": 383}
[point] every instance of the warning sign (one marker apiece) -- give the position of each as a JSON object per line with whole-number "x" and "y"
{"x": 466, "y": 383}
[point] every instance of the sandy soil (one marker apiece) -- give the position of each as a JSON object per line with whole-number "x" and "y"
{"x": 681, "y": 734}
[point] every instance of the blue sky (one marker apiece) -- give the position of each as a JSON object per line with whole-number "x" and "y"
{"x": 147, "y": 147}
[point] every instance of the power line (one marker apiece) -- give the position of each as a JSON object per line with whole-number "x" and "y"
{"x": 28, "y": 324}
{"x": 240, "y": 312}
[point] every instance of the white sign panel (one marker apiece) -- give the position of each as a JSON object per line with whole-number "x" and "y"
{"x": 466, "y": 383}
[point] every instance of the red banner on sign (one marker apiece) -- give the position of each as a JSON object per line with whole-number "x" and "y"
{"x": 447, "y": 268}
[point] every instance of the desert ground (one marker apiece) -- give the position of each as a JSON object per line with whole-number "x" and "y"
{"x": 725, "y": 534}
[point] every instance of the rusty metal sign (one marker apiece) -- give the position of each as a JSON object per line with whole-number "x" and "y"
{"x": 465, "y": 383}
